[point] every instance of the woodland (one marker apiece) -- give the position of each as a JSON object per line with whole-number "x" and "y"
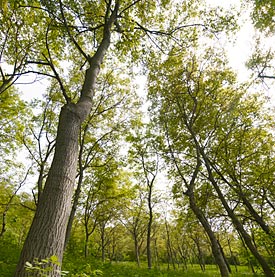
{"x": 129, "y": 143}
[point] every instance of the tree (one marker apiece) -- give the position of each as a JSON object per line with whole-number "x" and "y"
{"x": 262, "y": 15}
{"x": 184, "y": 157}
{"x": 46, "y": 235}
{"x": 80, "y": 32}
{"x": 99, "y": 136}
{"x": 39, "y": 141}
{"x": 11, "y": 133}
{"x": 262, "y": 58}
{"x": 134, "y": 218}
{"x": 197, "y": 122}
{"x": 146, "y": 159}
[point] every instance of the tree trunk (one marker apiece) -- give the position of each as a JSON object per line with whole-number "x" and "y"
{"x": 86, "y": 245}
{"x": 238, "y": 225}
{"x": 227, "y": 263}
{"x": 169, "y": 247}
{"x": 149, "y": 254}
{"x": 240, "y": 228}
{"x": 236, "y": 222}
{"x": 137, "y": 250}
{"x": 216, "y": 250}
{"x": 73, "y": 210}
{"x": 156, "y": 253}
{"x": 46, "y": 236}
{"x": 102, "y": 236}
{"x": 47, "y": 232}
{"x": 78, "y": 189}
{"x": 200, "y": 254}
{"x": 233, "y": 258}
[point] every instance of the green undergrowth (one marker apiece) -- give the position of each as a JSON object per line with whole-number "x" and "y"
{"x": 9, "y": 255}
{"x": 78, "y": 266}
{"x": 130, "y": 269}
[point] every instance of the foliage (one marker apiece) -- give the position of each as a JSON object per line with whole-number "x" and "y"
{"x": 9, "y": 253}
{"x": 196, "y": 105}
{"x": 129, "y": 269}
{"x": 263, "y": 15}
{"x": 44, "y": 267}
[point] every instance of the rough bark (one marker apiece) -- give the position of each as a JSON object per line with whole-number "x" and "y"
{"x": 46, "y": 236}
{"x": 73, "y": 210}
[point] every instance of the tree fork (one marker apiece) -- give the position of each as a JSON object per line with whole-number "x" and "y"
{"x": 46, "y": 236}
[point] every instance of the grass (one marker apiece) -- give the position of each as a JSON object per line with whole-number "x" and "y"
{"x": 129, "y": 269}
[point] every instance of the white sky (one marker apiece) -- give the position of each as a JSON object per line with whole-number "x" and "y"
{"x": 238, "y": 54}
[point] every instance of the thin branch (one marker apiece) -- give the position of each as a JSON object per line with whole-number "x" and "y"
{"x": 57, "y": 77}
{"x": 3, "y": 229}
{"x": 169, "y": 33}
{"x": 128, "y": 7}
{"x": 27, "y": 207}
{"x": 32, "y": 71}
{"x": 69, "y": 32}
{"x": 265, "y": 76}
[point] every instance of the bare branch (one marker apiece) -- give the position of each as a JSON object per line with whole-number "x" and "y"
{"x": 168, "y": 33}
{"x": 265, "y": 76}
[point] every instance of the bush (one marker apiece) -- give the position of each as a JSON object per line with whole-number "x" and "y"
{"x": 9, "y": 253}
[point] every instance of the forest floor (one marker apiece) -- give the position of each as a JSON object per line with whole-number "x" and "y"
{"x": 129, "y": 269}
{"x": 78, "y": 266}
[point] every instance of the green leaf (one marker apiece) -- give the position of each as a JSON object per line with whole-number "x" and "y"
{"x": 28, "y": 264}
{"x": 54, "y": 259}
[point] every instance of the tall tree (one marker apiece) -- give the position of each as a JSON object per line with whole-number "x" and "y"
{"x": 134, "y": 218}
{"x": 99, "y": 136}
{"x": 197, "y": 119}
{"x": 47, "y": 33}
{"x": 145, "y": 158}
{"x": 46, "y": 235}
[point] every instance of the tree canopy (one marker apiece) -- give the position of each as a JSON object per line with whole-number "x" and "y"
{"x": 140, "y": 143}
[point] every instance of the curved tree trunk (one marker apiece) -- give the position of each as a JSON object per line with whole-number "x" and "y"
{"x": 246, "y": 237}
{"x": 236, "y": 222}
{"x": 216, "y": 250}
{"x": 238, "y": 225}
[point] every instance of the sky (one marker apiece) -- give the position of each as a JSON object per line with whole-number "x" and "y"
{"x": 238, "y": 54}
